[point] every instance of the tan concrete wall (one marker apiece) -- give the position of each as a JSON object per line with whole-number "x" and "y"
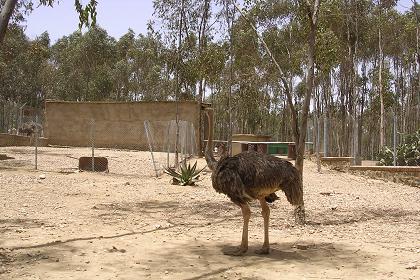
{"x": 117, "y": 125}
{"x": 7, "y": 140}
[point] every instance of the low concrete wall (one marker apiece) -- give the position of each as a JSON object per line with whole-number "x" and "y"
{"x": 409, "y": 175}
{"x": 117, "y": 125}
{"x": 7, "y": 140}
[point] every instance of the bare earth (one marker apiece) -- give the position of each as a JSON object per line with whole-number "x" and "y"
{"x": 128, "y": 224}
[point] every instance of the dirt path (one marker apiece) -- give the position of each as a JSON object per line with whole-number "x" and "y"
{"x": 113, "y": 226}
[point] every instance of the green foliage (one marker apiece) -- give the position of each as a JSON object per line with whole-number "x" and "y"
{"x": 87, "y": 14}
{"x": 386, "y": 156}
{"x": 408, "y": 153}
{"x": 93, "y": 66}
{"x": 186, "y": 176}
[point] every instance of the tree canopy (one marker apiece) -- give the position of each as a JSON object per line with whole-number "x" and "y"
{"x": 366, "y": 56}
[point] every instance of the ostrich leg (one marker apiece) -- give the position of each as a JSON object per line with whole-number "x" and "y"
{"x": 239, "y": 251}
{"x": 266, "y": 215}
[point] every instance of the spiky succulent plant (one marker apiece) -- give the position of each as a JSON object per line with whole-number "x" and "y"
{"x": 187, "y": 175}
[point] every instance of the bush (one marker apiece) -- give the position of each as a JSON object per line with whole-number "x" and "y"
{"x": 408, "y": 153}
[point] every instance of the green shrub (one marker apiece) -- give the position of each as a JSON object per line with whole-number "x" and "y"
{"x": 408, "y": 153}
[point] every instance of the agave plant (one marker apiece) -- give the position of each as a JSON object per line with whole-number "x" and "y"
{"x": 186, "y": 176}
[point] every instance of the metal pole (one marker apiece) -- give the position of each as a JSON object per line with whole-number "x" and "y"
{"x": 92, "y": 130}
{"x": 326, "y": 136}
{"x": 149, "y": 140}
{"x": 21, "y": 116}
{"x": 167, "y": 145}
{"x": 356, "y": 160}
{"x": 318, "y": 133}
{"x": 36, "y": 142}
{"x": 395, "y": 139}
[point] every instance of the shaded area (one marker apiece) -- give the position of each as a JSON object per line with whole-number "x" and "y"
{"x": 192, "y": 213}
{"x": 15, "y": 163}
{"x": 13, "y": 260}
{"x": 5, "y": 157}
{"x": 19, "y": 224}
{"x": 209, "y": 262}
{"x": 364, "y": 214}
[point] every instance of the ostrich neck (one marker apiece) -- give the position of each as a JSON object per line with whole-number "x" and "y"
{"x": 211, "y": 161}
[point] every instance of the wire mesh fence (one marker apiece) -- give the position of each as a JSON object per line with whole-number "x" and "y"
{"x": 104, "y": 146}
{"x": 20, "y": 119}
{"x": 170, "y": 143}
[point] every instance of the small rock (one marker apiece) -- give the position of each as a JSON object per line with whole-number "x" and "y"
{"x": 411, "y": 267}
{"x": 334, "y": 207}
{"x": 42, "y": 176}
{"x": 166, "y": 272}
{"x": 126, "y": 183}
{"x": 302, "y": 246}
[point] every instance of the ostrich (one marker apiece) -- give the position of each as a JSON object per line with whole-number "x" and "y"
{"x": 29, "y": 129}
{"x": 251, "y": 175}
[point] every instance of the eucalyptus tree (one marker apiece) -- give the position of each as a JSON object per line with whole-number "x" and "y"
{"x": 84, "y": 64}
{"x": 188, "y": 32}
{"x": 151, "y": 70}
{"x": 307, "y": 13}
{"x": 246, "y": 94}
{"x": 13, "y": 73}
{"x": 7, "y": 8}
{"x": 87, "y": 13}
{"x": 122, "y": 70}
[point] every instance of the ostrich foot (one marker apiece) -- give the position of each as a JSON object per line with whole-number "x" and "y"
{"x": 235, "y": 251}
{"x": 265, "y": 250}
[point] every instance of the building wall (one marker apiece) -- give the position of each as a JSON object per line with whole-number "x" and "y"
{"x": 117, "y": 125}
{"x": 7, "y": 140}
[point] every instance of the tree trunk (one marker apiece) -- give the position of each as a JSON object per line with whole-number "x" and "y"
{"x": 5, "y": 15}
{"x": 298, "y": 131}
{"x": 310, "y": 72}
{"x": 416, "y": 11}
{"x": 201, "y": 46}
{"x": 362, "y": 105}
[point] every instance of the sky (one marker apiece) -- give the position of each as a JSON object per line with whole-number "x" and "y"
{"x": 115, "y": 16}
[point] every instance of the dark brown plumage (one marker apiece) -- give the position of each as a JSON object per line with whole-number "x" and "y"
{"x": 252, "y": 175}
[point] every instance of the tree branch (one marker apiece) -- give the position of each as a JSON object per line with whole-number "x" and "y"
{"x": 282, "y": 75}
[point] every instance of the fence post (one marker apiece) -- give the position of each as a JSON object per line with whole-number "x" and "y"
{"x": 395, "y": 138}
{"x": 326, "y": 136}
{"x": 36, "y": 142}
{"x": 150, "y": 139}
{"x": 92, "y": 141}
{"x": 318, "y": 144}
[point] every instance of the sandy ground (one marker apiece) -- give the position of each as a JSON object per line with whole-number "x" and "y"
{"x": 127, "y": 224}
